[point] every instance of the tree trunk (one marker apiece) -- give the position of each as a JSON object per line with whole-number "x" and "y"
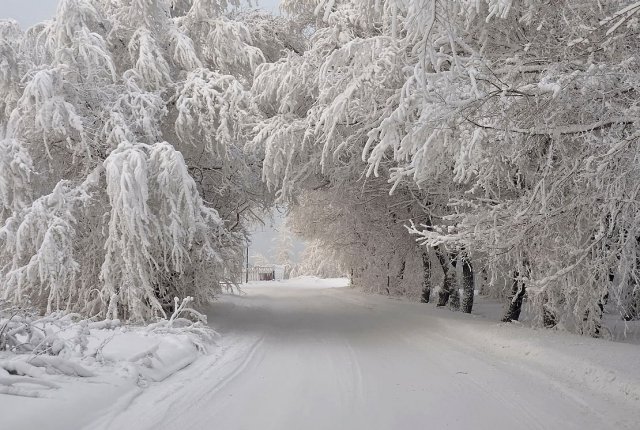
{"x": 403, "y": 266}
{"x": 449, "y": 286}
{"x": 484, "y": 288}
{"x": 593, "y": 318}
{"x": 468, "y": 286}
{"x": 548, "y": 317}
{"x": 516, "y": 297}
{"x": 398, "y": 286}
{"x": 454, "y": 298}
{"x": 426, "y": 278}
{"x": 597, "y": 326}
{"x": 388, "y": 280}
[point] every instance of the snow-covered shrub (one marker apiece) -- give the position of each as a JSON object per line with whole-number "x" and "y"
{"x": 34, "y": 346}
{"x": 35, "y": 349}
{"x": 186, "y": 320}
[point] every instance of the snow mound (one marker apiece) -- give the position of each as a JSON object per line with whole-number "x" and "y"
{"x": 80, "y": 365}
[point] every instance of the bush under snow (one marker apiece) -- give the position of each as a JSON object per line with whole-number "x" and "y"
{"x": 40, "y": 353}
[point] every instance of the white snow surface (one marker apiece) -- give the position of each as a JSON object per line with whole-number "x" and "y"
{"x": 300, "y": 282}
{"x": 312, "y": 354}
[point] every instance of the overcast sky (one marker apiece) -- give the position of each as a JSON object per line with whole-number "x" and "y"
{"x": 30, "y": 12}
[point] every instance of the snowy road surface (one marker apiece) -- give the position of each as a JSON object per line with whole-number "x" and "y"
{"x": 297, "y": 358}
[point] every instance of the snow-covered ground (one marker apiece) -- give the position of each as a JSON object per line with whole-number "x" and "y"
{"x": 300, "y": 282}
{"x": 301, "y": 355}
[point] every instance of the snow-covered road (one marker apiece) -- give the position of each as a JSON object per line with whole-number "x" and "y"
{"x": 295, "y": 358}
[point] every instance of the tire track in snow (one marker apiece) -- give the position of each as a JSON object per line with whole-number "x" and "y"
{"x": 197, "y": 397}
{"x": 357, "y": 374}
{"x": 109, "y": 416}
{"x": 161, "y": 405}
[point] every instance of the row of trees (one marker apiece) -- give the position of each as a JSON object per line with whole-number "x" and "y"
{"x": 421, "y": 144}
{"x": 503, "y": 132}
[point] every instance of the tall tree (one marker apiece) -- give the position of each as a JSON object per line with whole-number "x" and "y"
{"x": 124, "y": 180}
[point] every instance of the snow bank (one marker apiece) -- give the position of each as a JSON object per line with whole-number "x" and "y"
{"x": 600, "y": 365}
{"x": 75, "y": 370}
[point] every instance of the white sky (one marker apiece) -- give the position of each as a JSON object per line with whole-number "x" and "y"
{"x": 263, "y": 238}
{"x": 27, "y": 12}
{"x": 30, "y": 12}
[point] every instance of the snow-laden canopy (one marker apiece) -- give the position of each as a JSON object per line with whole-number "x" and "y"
{"x": 123, "y": 176}
{"x": 494, "y": 138}
{"x": 505, "y": 129}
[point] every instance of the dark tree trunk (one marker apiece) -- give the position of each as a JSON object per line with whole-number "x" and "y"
{"x": 594, "y": 327}
{"x": 400, "y": 277}
{"x": 388, "y": 280}
{"x": 403, "y": 266}
{"x": 518, "y": 290}
{"x": 548, "y": 317}
{"x": 597, "y": 328}
{"x": 426, "y": 278}
{"x": 468, "y": 286}
{"x": 484, "y": 288}
{"x": 449, "y": 286}
{"x": 454, "y": 298}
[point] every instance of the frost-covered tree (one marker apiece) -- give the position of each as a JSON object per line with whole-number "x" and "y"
{"x": 283, "y": 248}
{"x": 319, "y": 260}
{"x": 11, "y": 68}
{"x": 513, "y": 119}
{"x": 319, "y": 106}
{"x": 159, "y": 242}
{"x": 365, "y": 233}
{"x": 483, "y": 129}
{"x": 123, "y": 176}
{"x": 259, "y": 259}
{"x": 534, "y": 123}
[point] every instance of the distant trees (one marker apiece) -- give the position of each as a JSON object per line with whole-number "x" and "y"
{"x": 367, "y": 238}
{"x": 319, "y": 260}
{"x": 283, "y": 246}
{"x": 259, "y": 259}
